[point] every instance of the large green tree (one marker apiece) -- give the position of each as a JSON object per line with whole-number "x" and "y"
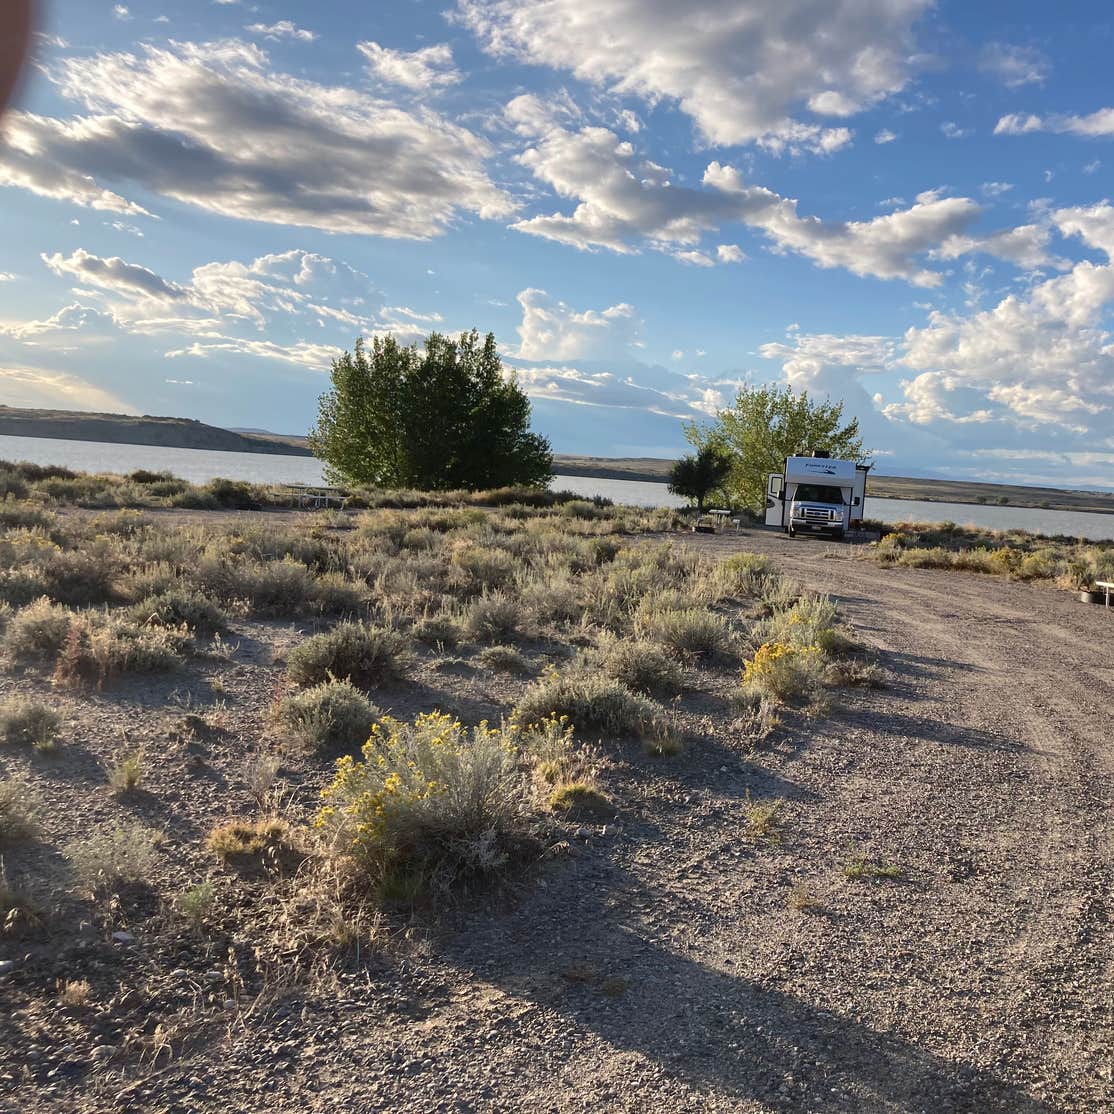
{"x": 442, "y": 417}
{"x": 766, "y": 425}
{"x": 698, "y": 475}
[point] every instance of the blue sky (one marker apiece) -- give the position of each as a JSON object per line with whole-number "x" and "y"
{"x": 897, "y": 203}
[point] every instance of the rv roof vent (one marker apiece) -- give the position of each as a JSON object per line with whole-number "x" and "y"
{"x": 821, "y": 454}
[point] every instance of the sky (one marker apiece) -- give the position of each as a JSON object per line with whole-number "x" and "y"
{"x": 651, "y": 203}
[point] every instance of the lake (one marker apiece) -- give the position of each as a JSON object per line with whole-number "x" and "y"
{"x": 199, "y": 465}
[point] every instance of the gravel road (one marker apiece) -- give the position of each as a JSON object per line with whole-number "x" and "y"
{"x": 671, "y": 962}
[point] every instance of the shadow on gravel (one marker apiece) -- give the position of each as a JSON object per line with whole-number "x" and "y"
{"x": 718, "y": 1031}
{"x": 894, "y": 724}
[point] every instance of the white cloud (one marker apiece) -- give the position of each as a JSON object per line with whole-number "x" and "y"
{"x": 113, "y": 274}
{"x": 885, "y": 136}
{"x": 1015, "y": 65}
{"x": 551, "y": 330}
{"x": 995, "y": 189}
{"x": 741, "y": 70}
{"x": 625, "y": 203}
{"x": 212, "y": 126}
{"x": 121, "y": 12}
{"x": 952, "y": 130}
{"x": 41, "y": 387}
{"x": 429, "y": 68}
{"x": 7, "y": 276}
{"x": 283, "y": 29}
{"x": 730, "y": 253}
{"x": 1096, "y": 125}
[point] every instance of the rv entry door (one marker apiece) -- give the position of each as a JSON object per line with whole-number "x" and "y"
{"x": 775, "y": 499}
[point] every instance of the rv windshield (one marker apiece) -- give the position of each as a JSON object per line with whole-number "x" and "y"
{"x": 818, "y": 493}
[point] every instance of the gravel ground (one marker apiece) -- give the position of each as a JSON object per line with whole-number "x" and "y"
{"x": 669, "y": 960}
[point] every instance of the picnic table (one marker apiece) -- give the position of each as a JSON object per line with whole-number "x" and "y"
{"x": 1107, "y": 586}
{"x": 317, "y": 497}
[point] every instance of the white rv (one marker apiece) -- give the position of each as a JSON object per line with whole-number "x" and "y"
{"x": 816, "y": 495}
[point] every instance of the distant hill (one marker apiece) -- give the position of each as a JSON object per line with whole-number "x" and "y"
{"x": 185, "y": 433}
{"x": 125, "y": 429}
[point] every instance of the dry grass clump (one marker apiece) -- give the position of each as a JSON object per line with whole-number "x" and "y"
{"x": 690, "y": 633}
{"x": 112, "y": 855}
{"x": 427, "y": 801}
{"x": 743, "y": 575}
{"x": 25, "y": 722}
{"x": 100, "y": 647}
{"x": 365, "y": 655}
{"x": 503, "y": 659}
{"x": 580, "y": 800}
{"x": 594, "y": 705}
{"x": 20, "y": 912}
{"x": 75, "y": 994}
{"x": 328, "y": 716}
{"x": 18, "y": 807}
{"x": 180, "y": 607}
{"x": 854, "y": 674}
{"x": 642, "y": 666}
{"x": 438, "y": 631}
{"x": 125, "y": 772}
{"x": 492, "y": 617}
{"x": 36, "y": 633}
{"x": 196, "y": 903}
{"x": 269, "y": 843}
{"x": 762, "y": 819}
{"x": 859, "y": 868}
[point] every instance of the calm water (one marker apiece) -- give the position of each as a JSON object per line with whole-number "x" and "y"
{"x": 199, "y": 465}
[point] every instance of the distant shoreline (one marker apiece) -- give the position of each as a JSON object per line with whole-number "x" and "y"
{"x": 185, "y": 433}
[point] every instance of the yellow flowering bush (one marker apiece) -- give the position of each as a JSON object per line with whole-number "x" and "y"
{"x": 431, "y": 792}
{"x": 782, "y": 670}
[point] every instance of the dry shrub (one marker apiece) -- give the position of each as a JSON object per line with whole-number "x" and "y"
{"x": 438, "y": 630}
{"x": 19, "y": 804}
{"x": 365, "y": 655}
{"x": 429, "y": 799}
{"x": 113, "y": 854}
{"x": 100, "y": 647}
{"x": 180, "y": 607}
{"x": 25, "y": 722}
{"x": 594, "y": 705}
{"x": 641, "y": 666}
{"x": 37, "y": 632}
{"x": 743, "y": 574}
{"x": 492, "y": 618}
{"x": 810, "y": 621}
{"x": 504, "y": 659}
{"x": 783, "y": 673}
{"x": 331, "y": 715}
{"x": 690, "y": 633}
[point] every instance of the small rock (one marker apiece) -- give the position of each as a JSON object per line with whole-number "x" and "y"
{"x": 102, "y": 1052}
{"x": 6, "y": 965}
{"x": 213, "y": 976}
{"x": 180, "y": 973}
{"x": 229, "y": 1004}
{"x": 582, "y": 833}
{"x": 122, "y": 937}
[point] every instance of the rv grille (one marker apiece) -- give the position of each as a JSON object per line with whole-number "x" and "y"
{"x": 814, "y": 514}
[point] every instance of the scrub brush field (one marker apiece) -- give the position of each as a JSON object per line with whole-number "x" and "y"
{"x": 524, "y": 802}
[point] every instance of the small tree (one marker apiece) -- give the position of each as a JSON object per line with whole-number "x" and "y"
{"x": 766, "y": 425}
{"x": 443, "y": 418}
{"x": 698, "y": 475}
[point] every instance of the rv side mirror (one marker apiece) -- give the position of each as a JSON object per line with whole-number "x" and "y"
{"x": 856, "y": 501}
